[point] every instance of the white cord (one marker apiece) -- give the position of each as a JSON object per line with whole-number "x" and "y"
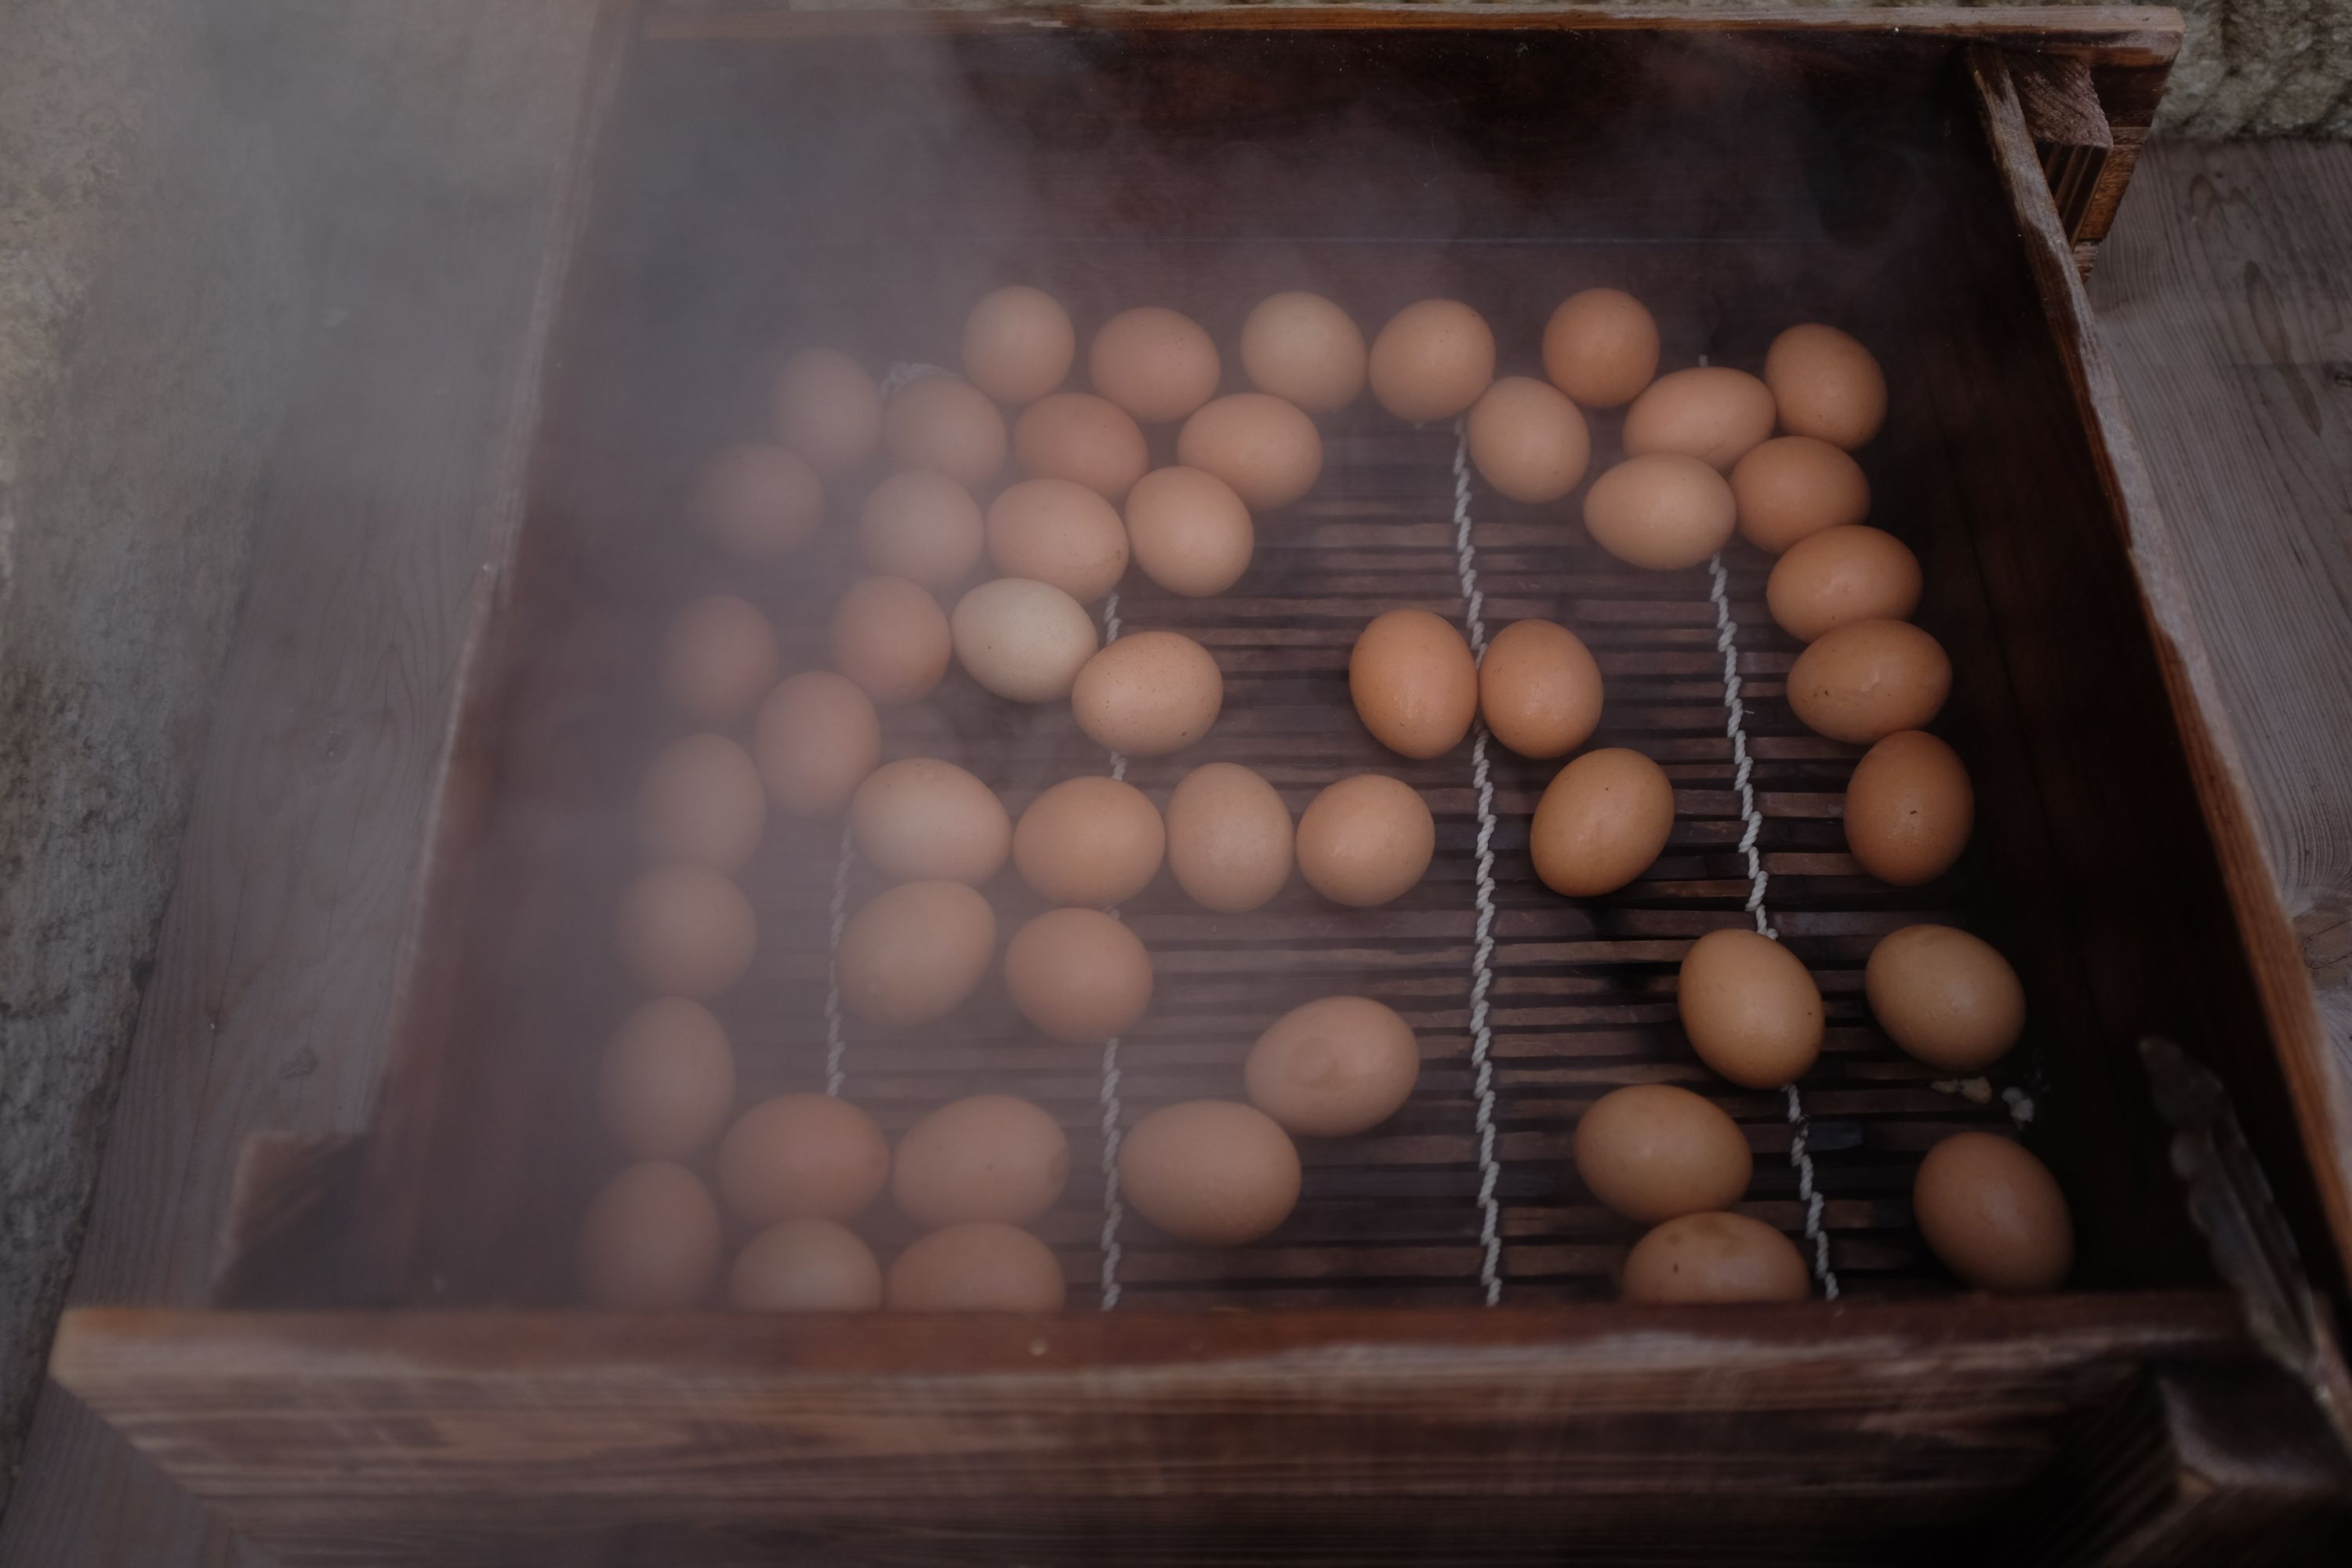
{"x": 1482, "y": 951}
{"x": 836, "y": 1046}
{"x": 1113, "y": 1210}
{"x": 1726, "y": 638}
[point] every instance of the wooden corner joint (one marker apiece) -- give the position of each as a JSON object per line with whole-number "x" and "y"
{"x": 2086, "y": 157}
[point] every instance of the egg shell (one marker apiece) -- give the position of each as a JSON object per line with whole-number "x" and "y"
{"x": 667, "y": 1080}
{"x": 1155, "y": 363}
{"x": 1712, "y": 413}
{"x": 1650, "y": 1151}
{"x": 1600, "y": 347}
{"x": 702, "y": 801}
{"x": 1058, "y": 531}
{"x": 1211, "y": 1172}
{"x": 1994, "y": 1214}
{"x": 1091, "y": 840}
{"x": 1662, "y": 512}
{"x": 1826, "y": 384}
{"x": 1306, "y": 350}
{"x": 983, "y": 1266}
{"x": 828, "y": 409}
{"x": 1947, "y": 998}
{"x": 815, "y": 738}
{"x": 1864, "y": 680}
{"x": 1231, "y": 844}
{"x": 1715, "y": 1259}
{"x": 1365, "y": 840}
{"x": 1750, "y": 1008}
{"x": 650, "y": 1240}
{"x": 920, "y": 819}
{"x": 1083, "y": 439}
{"x": 1334, "y": 1068}
{"x": 1026, "y": 641}
{"x": 1909, "y": 809}
{"x": 1539, "y": 690}
{"x": 803, "y": 1156}
{"x": 988, "y": 1157}
{"x": 718, "y": 660}
{"x": 1527, "y": 440}
{"x": 1793, "y": 487}
{"x": 685, "y": 931}
{"x": 1431, "y": 360}
{"x": 1018, "y": 343}
{"x": 1190, "y": 531}
{"x": 805, "y": 1266}
{"x": 1413, "y": 682}
{"x": 946, "y": 425}
{"x": 759, "y": 502}
{"x": 914, "y": 953}
{"x": 923, "y": 527}
{"x": 1601, "y": 822}
{"x": 1148, "y": 694}
{"x": 891, "y": 639}
{"x": 1267, "y": 450}
{"x": 1841, "y": 575}
{"x": 1079, "y": 976}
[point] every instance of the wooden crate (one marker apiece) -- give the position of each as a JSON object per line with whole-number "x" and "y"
{"x": 395, "y": 1374}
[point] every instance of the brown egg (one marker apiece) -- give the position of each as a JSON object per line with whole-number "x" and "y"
{"x": 1601, "y": 822}
{"x": 1018, "y": 344}
{"x": 1091, "y": 840}
{"x": 1752, "y": 1009}
{"x": 1024, "y": 641}
{"x": 649, "y": 1241}
{"x": 1190, "y": 531}
{"x": 1155, "y": 363}
{"x": 891, "y": 639}
{"x": 1365, "y": 840}
{"x": 1909, "y": 809}
{"x": 1712, "y": 413}
{"x": 1650, "y": 1151}
{"x": 803, "y": 1156}
{"x": 815, "y": 738}
{"x": 1267, "y": 450}
{"x": 1335, "y": 1067}
{"x": 945, "y": 425}
{"x": 1793, "y": 487}
{"x": 915, "y": 951}
{"x": 1078, "y": 974}
{"x": 988, "y": 1157}
{"x": 1947, "y": 998}
{"x": 1600, "y": 347}
{"x": 920, "y": 526}
{"x": 1413, "y": 682}
{"x": 685, "y": 931}
{"x": 667, "y": 1081}
{"x": 1866, "y": 679}
{"x": 1527, "y": 440}
{"x": 978, "y": 1267}
{"x": 1052, "y": 530}
{"x": 1086, "y": 440}
{"x": 1841, "y": 575}
{"x": 1994, "y": 1215}
{"x": 1826, "y": 384}
{"x": 702, "y": 802}
{"x": 1662, "y": 512}
{"x": 805, "y": 1266}
{"x": 1148, "y": 694}
{"x": 1304, "y": 349}
{"x": 1229, "y": 837}
{"x": 759, "y": 502}
{"x": 1210, "y": 1171}
{"x": 1538, "y": 688}
{"x": 828, "y": 409}
{"x": 717, "y": 661}
{"x": 1431, "y": 360}
{"x": 1715, "y": 1259}
{"x": 919, "y": 820}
